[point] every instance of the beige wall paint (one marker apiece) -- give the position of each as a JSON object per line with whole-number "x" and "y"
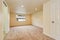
{"x": 37, "y": 19}
{"x": 14, "y": 22}
{"x": 51, "y": 12}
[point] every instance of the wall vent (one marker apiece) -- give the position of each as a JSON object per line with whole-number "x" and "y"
{"x": 4, "y": 3}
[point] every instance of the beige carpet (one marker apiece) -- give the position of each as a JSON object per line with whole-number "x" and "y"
{"x": 24, "y": 33}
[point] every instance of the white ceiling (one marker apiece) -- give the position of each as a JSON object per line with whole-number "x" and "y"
{"x": 25, "y": 6}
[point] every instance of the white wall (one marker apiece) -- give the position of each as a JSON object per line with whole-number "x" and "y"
{"x": 46, "y": 17}
{"x": 1, "y": 18}
{"x": 51, "y": 12}
{"x": 6, "y": 18}
{"x": 37, "y": 19}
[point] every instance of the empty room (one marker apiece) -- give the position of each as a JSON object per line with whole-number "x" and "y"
{"x": 29, "y": 20}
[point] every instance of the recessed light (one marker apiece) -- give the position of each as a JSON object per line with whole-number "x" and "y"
{"x": 22, "y": 6}
{"x": 35, "y": 9}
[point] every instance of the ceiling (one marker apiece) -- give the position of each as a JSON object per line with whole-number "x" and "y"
{"x": 25, "y": 6}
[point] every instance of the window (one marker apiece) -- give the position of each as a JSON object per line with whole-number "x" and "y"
{"x": 20, "y": 18}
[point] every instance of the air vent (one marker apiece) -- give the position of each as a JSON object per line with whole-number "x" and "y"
{"x": 4, "y": 3}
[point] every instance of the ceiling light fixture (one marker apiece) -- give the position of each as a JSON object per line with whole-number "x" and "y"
{"x": 22, "y": 6}
{"x": 35, "y": 9}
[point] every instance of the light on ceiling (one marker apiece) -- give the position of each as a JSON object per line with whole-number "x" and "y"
{"x": 22, "y": 6}
{"x": 35, "y": 9}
